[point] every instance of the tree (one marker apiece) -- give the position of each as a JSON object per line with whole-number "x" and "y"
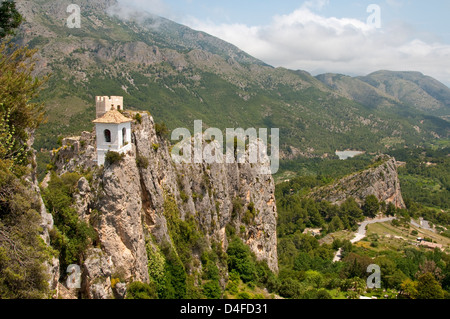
{"x": 240, "y": 260}
{"x": 10, "y": 18}
{"x": 408, "y": 289}
{"x": 429, "y": 266}
{"x": 302, "y": 262}
{"x": 18, "y": 116}
{"x": 212, "y": 289}
{"x": 335, "y": 225}
{"x": 23, "y": 253}
{"x": 371, "y": 206}
{"x": 428, "y": 287}
{"x": 290, "y": 288}
{"x": 139, "y": 290}
{"x": 391, "y": 210}
{"x": 350, "y": 209}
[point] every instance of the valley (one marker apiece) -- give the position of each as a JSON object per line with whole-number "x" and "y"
{"x": 361, "y": 168}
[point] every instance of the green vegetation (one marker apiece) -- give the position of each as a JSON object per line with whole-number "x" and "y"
{"x": 112, "y": 158}
{"x": 10, "y": 18}
{"x": 70, "y": 236}
{"x": 240, "y": 260}
{"x": 142, "y": 162}
{"x": 426, "y": 177}
{"x": 207, "y": 87}
{"x": 139, "y": 290}
{"x": 162, "y": 130}
{"x": 306, "y": 267}
{"x": 17, "y": 115}
{"x": 23, "y": 252}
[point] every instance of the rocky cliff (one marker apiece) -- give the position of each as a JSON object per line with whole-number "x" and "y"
{"x": 381, "y": 180}
{"x": 144, "y": 203}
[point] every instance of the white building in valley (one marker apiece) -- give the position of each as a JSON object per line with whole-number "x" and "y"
{"x": 112, "y": 128}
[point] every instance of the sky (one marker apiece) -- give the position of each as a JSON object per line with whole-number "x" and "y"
{"x": 320, "y": 36}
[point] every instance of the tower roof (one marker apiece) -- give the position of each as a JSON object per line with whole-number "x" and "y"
{"x": 113, "y": 117}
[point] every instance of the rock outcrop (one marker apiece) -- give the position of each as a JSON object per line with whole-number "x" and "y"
{"x": 127, "y": 203}
{"x": 380, "y": 180}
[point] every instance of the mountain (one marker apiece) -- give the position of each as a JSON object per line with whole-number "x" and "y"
{"x": 157, "y": 221}
{"x": 393, "y": 89}
{"x": 381, "y": 180}
{"x": 181, "y": 75}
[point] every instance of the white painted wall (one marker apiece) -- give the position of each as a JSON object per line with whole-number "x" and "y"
{"x": 117, "y": 142}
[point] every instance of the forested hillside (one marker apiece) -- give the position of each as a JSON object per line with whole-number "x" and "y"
{"x": 181, "y": 75}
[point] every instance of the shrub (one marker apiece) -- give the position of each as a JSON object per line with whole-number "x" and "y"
{"x": 112, "y": 158}
{"x": 240, "y": 260}
{"x": 142, "y": 162}
{"x": 139, "y": 290}
{"x": 244, "y": 295}
{"x": 70, "y": 236}
{"x": 138, "y": 118}
{"x": 237, "y": 207}
{"x": 212, "y": 289}
{"x": 161, "y": 130}
{"x": 23, "y": 253}
{"x": 184, "y": 196}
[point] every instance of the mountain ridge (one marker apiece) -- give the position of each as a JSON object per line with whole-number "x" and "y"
{"x": 182, "y": 75}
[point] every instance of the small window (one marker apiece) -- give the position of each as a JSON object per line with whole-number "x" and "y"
{"x": 124, "y": 136}
{"x": 119, "y": 108}
{"x": 107, "y": 136}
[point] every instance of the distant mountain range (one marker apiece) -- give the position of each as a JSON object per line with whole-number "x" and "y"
{"x": 181, "y": 75}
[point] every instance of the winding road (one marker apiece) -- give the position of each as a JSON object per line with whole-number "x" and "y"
{"x": 361, "y": 233}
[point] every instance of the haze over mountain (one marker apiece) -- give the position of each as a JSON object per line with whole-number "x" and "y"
{"x": 181, "y": 75}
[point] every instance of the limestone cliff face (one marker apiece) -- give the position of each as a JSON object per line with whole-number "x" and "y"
{"x": 127, "y": 202}
{"x": 380, "y": 180}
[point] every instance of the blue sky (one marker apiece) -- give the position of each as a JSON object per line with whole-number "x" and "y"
{"x": 324, "y": 35}
{"x": 426, "y": 16}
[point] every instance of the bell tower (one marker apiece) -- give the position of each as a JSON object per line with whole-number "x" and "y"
{"x": 104, "y": 104}
{"x": 113, "y": 129}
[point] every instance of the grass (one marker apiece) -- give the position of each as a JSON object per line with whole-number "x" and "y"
{"x": 252, "y": 292}
{"x": 341, "y": 235}
{"x": 384, "y": 230}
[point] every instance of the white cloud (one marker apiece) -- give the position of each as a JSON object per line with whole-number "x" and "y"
{"x": 306, "y": 40}
{"x": 140, "y": 10}
{"x": 157, "y": 7}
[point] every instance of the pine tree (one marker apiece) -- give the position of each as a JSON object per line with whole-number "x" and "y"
{"x": 10, "y": 18}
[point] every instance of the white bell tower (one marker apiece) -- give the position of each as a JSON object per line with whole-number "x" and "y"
{"x": 112, "y": 128}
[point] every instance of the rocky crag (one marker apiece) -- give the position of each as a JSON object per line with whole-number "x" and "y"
{"x": 381, "y": 180}
{"x": 133, "y": 205}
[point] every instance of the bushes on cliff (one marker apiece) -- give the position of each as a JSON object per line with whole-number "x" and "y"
{"x": 240, "y": 260}
{"x": 142, "y": 162}
{"x": 139, "y": 290}
{"x": 22, "y": 250}
{"x": 161, "y": 130}
{"x": 112, "y": 158}
{"x": 23, "y": 253}
{"x": 70, "y": 236}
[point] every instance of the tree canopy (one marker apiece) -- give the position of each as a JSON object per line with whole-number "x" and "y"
{"x": 10, "y": 18}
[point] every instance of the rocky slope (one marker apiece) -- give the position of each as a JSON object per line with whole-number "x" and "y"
{"x": 389, "y": 89}
{"x": 380, "y": 180}
{"x": 131, "y": 206}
